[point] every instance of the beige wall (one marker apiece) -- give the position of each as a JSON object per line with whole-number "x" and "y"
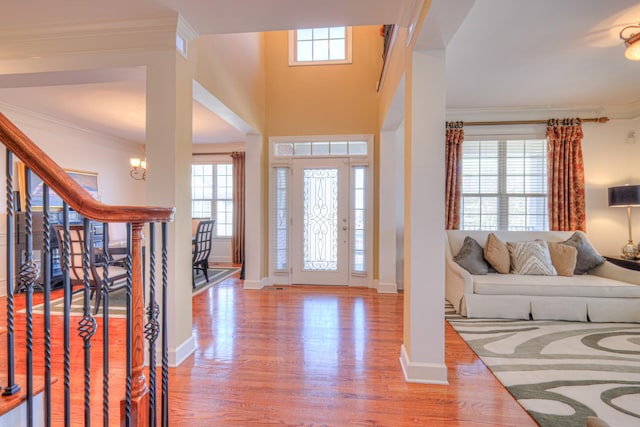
{"x": 323, "y": 99}
{"x": 610, "y": 159}
{"x": 231, "y": 67}
{"x": 326, "y": 99}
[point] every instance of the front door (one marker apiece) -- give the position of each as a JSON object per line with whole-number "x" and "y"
{"x": 320, "y": 222}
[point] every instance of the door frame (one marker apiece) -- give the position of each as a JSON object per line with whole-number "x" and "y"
{"x": 279, "y": 262}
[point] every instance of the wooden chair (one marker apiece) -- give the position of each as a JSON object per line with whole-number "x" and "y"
{"x": 117, "y": 274}
{"x": 202, "y": 249}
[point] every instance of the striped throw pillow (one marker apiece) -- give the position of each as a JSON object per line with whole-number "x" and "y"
{"x": 532, "y": 258}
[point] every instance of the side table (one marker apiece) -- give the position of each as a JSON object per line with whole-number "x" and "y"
{"x": 631, "y": 264}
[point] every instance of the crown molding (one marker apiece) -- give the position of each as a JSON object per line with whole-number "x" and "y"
{"x": 40, "y": 121}
{"x": 185, "y": 30}
{"x": 96, "y": 28}
{"x": 621, "y": 112}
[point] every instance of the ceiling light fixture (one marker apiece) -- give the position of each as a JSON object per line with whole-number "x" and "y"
{"x": 138, "y": 169}
{"x": 632, "y": 42}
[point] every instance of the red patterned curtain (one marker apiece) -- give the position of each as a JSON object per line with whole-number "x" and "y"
{"x": 237, "y": 239}
{"x": 565, "y": 175}
{"x": 453, "y": 189}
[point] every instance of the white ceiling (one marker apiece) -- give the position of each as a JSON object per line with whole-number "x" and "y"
{"x": 505, "y": 55}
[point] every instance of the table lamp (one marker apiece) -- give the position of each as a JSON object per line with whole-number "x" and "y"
{"x": 626, "y": 196}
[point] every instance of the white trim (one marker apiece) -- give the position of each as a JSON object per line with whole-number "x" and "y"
{"x": 412, "y": 14}
{"x": 422, "y": 373}
{"x": 90, "y": 29}
{"x": 185, "y": 34}
{"x": 182, "y": 352}
{"x": 355, "y": 279}
{"x": 348, "y": 51}
{"x": 213, "y": 104}
{"x": 256, "y": 284}
{"x": 386, "y": 288}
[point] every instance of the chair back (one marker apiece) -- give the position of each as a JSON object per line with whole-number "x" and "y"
{"x": 202, "y": 241}
{"x": 76, "y": 250}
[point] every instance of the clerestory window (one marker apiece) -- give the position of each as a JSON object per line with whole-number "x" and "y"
{"x": 314, "y": 46}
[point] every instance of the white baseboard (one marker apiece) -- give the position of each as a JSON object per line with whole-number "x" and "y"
{"x": 179, "y": 354}
{"x": 423, "y": 373}
{"x": 256, "y": 284}
{"x": 386, "y": 288}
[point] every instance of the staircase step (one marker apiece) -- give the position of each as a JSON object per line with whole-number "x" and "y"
{"x": 9, "y": 403}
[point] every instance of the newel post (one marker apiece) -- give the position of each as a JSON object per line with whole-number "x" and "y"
{"x": 139, "y": 413}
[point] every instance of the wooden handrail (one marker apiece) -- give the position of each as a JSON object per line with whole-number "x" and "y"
{"x": 68, "y": 189}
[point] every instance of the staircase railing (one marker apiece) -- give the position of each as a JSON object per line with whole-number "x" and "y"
{"x": 30, "y": 342}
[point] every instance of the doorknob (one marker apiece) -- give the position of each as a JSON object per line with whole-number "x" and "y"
{"x": 344, "y": 227}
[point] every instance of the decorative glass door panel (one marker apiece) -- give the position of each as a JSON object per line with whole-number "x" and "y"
{"x": 320, "y": 222}
{"x": 320, "y": 219}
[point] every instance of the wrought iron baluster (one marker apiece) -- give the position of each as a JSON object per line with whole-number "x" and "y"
{"x": 87, "y": 326}
{"x": 65, "y": 263}
{"x": 129, "y": 368}
{"x": 11, "y": 387}
{"x": 165, "y": 342}
{"x": 152, "y": 327}
{"x": 46, "y": 265}
{"x": 105, "y": 324}
{"x": 29, "y": 273}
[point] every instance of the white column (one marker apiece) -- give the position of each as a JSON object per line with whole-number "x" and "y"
{"x": 168, "y": 150}
{"x": 422, "y": 354}
{"x": 387, "y": 252}
{"x": 255, "y": 217}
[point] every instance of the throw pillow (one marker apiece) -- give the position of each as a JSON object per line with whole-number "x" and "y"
{"x": 470, "y": 257}
{"x": 497, "y": 254}
{"x": 587, "y": 258}
{"x": 531, "y": 258}
{"x": 563, "y": 257}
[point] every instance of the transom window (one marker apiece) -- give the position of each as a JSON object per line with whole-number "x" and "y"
{"x": 212, "y": 195}
{"x": 320, "y": 148}
{"x": 504, "y": 185}
{"x": 326, "y": 45}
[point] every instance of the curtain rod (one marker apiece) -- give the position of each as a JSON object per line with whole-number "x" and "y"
{"x": 224, "y": 153}
{"x": 532, "y": 122}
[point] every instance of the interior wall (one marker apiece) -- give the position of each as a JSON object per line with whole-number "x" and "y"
{"x": 323, "y": 99}
{"x": 231, "y": 67}
{"x": 610, "y": 159}
{"x": 337, "y": 99}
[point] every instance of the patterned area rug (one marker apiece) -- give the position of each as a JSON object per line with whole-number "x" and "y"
{"x": 562, "y": 372}
{"x": 117, "y": 299}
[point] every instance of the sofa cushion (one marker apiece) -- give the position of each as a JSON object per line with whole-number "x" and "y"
{"x": 497, "y": 254}
{"x": 531, "y": 258}
{"x": 587, "y": 258}
{"x": 470, "y": 257}
{"x": 563, "y": 257}
{"x": 585, "y": 285}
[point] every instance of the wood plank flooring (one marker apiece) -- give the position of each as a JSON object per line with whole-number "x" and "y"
{"x": 302, "y": 356}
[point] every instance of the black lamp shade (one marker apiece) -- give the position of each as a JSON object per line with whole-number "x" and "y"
{"x": 624, "y": 195}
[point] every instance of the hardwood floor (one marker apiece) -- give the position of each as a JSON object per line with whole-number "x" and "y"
{"x": 308, "y": 356}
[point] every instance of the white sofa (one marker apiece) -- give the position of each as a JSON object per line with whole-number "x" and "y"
{"x": 608, "y": 293}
